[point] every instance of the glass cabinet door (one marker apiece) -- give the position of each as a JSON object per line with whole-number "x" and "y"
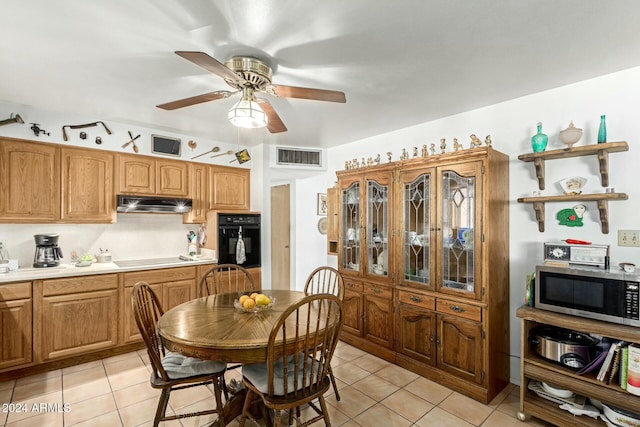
{"x": 350, "y": 239}
{"x": 377, "y": 228}
{"x": 417, "y": 228}
{"x": 459, "y": 193}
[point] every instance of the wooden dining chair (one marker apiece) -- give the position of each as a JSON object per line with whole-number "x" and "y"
{"x": 299, "y": 351}
{"x": 326, "y": 280}
{"x": 225, "y": 278}
{"x": 173, "y": 371}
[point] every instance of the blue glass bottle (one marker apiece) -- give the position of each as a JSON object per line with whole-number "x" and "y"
{"x": 602, "y": 132}
{"x": 539, "y": 140}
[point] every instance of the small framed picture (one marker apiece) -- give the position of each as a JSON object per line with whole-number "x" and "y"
{"x": 322, "y": 203}
{"x": 165, "y": 145}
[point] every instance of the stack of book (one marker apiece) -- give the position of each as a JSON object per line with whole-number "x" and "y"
{"x": 622, "y": 365}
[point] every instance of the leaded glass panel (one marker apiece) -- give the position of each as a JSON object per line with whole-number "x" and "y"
{"x": 458, "y": 215}
{"x": 416, "y": 236}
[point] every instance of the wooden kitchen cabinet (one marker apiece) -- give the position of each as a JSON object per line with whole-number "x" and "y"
{"x": 199, "y": 191}
{"x": 87, "y": 183}
{"x": 352, "y": 303}
{"x": 435, "y": 232}
{"x": 172, "y": 178}
{"x": 333, "y": 221}
{"x": 150, "y": 176}
{"x": 378, "y": 315}
{"x": 173, "y": 286}
{"x": 136, "y": 175}
{"x": 75, "y": 315}
{"x": 16, "y": 320}
{"x": 29, "y": 181}
{"x": 229, "y": 188}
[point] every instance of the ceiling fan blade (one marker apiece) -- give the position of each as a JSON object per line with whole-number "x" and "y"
{"x": 274, "y": 123}
{"x": 307, "y": 93}
{"x": 208, "y": 63}
{"x": 206, "y": 97}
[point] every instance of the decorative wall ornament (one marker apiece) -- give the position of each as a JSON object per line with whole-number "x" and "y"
{"x": 64, "y": 131}
{"x": 572, "y": 217}
{"x": 37, "y": 130}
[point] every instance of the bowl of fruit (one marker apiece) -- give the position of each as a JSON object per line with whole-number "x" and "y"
{"x": 254, "y": 302}
{"x": 85, "y": 261}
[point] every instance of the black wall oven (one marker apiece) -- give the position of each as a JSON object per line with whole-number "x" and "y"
{"x": 235, "y": 226}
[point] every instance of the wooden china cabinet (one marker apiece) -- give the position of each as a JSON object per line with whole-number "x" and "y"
{"x": 439, "y": 227}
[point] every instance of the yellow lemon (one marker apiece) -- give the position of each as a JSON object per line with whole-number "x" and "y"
{"x": 249, "y": 304}
{"x": 262, "y": 300}
{"x": 254, "y": 295}
{"x": 243, "y": 298}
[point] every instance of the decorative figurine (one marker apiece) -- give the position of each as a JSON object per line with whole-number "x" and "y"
{"x": 363, "y": 164}
{"x": 377, "y": 159}
{"x": 370, "y": 161}
{"x": 425, "y": 152}
{"x": 432, "y": 149}
{"x": 404, "y": 155}
{"x": 456, "y": 145}
{"x": 488, "y": 141}
{"x": 475, "y": 142}
{"x": 415, "y": 151}
{"x": 572, "y": 217}
{"x": 443, "y": 145}
{"x": 346, "y": 165}
{"x": 389, "y": 154}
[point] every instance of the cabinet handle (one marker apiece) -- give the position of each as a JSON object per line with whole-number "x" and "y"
{"x": 438, "y": 340}
{"x": 415, "y": 298}
{"x": 456, "y": 308}
{"x": 431, "y": 338}
{"x": 377, "y": 290}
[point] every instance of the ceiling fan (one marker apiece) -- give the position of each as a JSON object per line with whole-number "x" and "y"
{"x": 249, "y": 75}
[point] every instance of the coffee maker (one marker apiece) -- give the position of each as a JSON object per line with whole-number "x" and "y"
{"x": 48, "y": 253}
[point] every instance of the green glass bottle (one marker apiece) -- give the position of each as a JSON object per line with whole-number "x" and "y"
{"x": 539, "y": 140}
{"x": 602, "y": 132}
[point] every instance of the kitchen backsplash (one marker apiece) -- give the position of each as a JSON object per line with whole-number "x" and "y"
{"x": 133, "y": 236}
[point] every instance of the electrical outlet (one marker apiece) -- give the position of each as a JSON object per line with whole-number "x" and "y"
{"x": 629, "y": 238}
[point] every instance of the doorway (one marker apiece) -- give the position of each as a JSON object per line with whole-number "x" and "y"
{"x": 281, "y": 237}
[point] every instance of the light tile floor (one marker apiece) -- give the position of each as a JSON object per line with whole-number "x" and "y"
{"x": 116, "y": 392}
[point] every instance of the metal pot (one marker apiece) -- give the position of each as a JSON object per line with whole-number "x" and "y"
{"x": 569, "y": 348}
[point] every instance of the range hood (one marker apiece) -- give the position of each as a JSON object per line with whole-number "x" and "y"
{"x": 138, "y": 204}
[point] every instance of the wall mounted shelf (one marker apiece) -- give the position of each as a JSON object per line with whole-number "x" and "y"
{"x": 602, "y": 199}
{"x": 601, "y": 150}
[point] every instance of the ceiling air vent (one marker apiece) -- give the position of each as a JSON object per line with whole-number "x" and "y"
{"x": 298, "y": 157}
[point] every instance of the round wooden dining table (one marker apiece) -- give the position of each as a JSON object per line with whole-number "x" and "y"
{"x": 213, "y": 328}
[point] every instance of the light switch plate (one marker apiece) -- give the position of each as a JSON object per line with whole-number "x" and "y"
{"x": 629, "y": 238}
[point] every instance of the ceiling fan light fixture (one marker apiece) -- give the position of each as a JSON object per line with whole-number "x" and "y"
{"x": 247, "y": 113}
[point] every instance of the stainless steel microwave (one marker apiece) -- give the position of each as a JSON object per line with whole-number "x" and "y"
{"x": 610, "y": 296}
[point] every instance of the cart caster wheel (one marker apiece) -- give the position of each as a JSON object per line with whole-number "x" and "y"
{"x": 521, "y": 416}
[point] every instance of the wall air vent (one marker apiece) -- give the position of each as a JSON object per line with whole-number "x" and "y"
{"x": 298, "y": 157}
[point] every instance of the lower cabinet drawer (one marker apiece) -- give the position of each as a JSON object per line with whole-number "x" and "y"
{"x": 455, "y": 308}
{"x": 378, "y": 291}
{"x": 418, "y": 300}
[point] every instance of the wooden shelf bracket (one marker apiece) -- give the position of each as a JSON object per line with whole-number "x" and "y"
{"x": 603, "y": 159}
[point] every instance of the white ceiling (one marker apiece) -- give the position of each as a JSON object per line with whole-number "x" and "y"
{"x": 399, "y": 63}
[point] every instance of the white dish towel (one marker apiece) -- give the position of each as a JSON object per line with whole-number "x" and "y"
{"x": 240, "y": 252}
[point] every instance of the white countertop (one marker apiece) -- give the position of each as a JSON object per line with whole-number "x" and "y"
{"x": 70, "y": 270}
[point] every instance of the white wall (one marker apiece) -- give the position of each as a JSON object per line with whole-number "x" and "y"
{"x": 511, "y": 125}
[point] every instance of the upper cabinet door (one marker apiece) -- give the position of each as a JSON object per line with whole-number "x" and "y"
{"x": 29, "y": 182}
{"x": 229, "y": 188}
{"x": 136, "y": 175}
{"x": 172, "y": 178}
{"x": 459, "y": 217}
{"x": 198, "y": 190}
{"x": 378, "y": 196}
{"x": 87, "y": 182}
{"x": 349, "y": 257}
{"x": 417, "y": 231}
